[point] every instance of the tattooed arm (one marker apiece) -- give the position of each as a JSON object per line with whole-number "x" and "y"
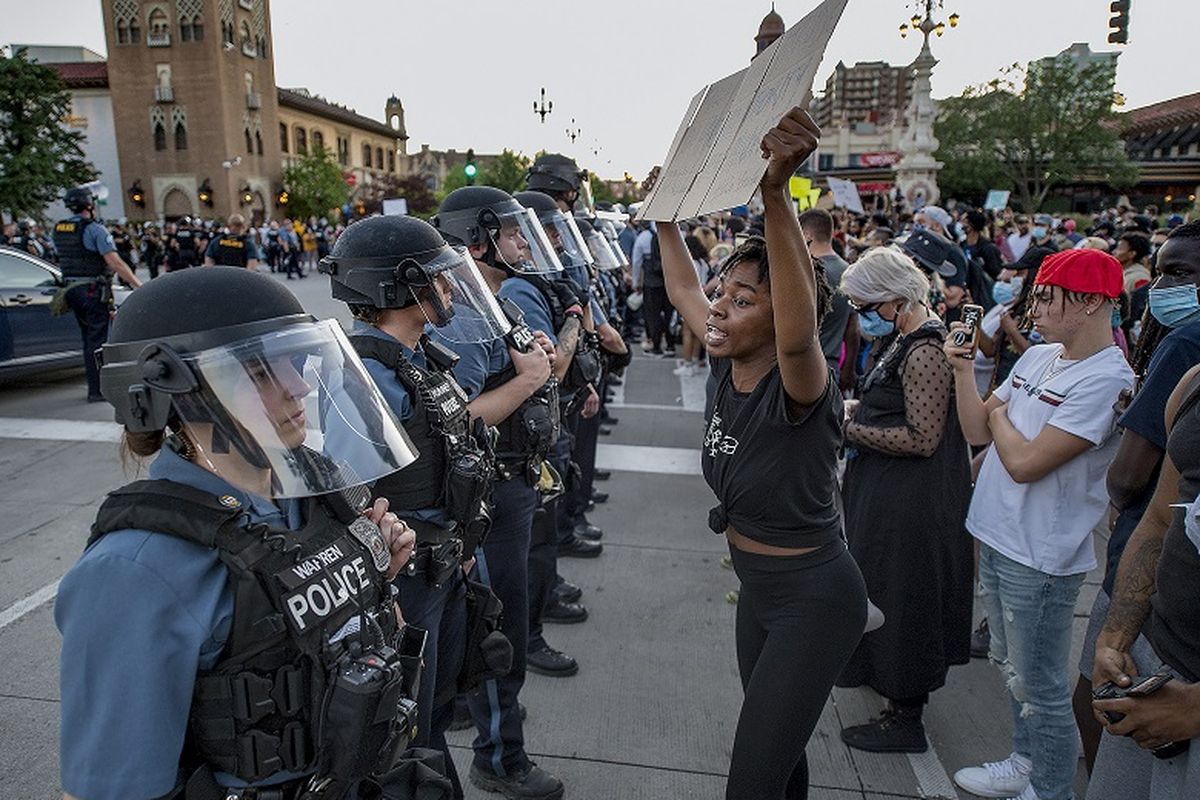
{"x": 568, "y": 339}
{"x": 1137, "y": 572}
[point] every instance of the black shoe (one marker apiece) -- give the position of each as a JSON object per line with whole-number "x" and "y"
{"x": 602, "y": 474}
{"x": 604, "y": 431}
{"x": 590, "y": 532}
{"x": 599, "y": 497}
{"x": 608, "y": 419}
{"x": 462, "y": 716}
{"x": 567, "y": 592}
{"x": 891, "y": 732}
{"x": 591, "y": 506}
{"x": 981, "y": 640}
{"x": 532, "y": 784}
{"x": 95, "y": 398}
{"x": 579, "y": 548}
{"x": 565, "y": 614}
{"x": 669, "y": 352}
{"x": 613, "y": 380}
{"x": 551, "y": 662}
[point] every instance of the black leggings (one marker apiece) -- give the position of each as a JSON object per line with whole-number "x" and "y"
{"x": 799, "y": 619}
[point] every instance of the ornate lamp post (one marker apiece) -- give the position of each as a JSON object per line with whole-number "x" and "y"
{"x": 573, "y": 132}
{"x": 916, "y": 174}
{"x": 544, "y": 108}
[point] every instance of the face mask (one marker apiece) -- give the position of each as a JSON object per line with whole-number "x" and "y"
{"x": 1039, "y": 233}
{"x": 1004, "y": 293}
{"x": 874, "y": 325}
{"x": 1175, "y": 305}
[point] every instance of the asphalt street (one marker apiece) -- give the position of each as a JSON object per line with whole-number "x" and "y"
{"x": 651, "y": 713}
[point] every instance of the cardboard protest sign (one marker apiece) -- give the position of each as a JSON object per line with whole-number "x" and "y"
{"x": 845, "y": 194}
{"x": 997, "y": 199}
{"x": 718, "y": 162}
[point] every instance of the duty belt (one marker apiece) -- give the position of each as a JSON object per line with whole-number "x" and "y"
{"x": 438, "y": 553}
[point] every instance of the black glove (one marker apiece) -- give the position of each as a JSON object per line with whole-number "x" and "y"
{"x": 569, "y": 292}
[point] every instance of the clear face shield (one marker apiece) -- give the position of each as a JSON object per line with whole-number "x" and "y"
{"x": 521, "y": 243}
{"x": 567, "y": 240}
{"x": 294, "y": 408}
{"x": 612, "y": 235}
{"x": 465, "y": 308}
{"x": 600, "y": 249}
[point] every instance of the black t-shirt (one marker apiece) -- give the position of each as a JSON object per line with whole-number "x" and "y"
{"x": 774, "y": 474}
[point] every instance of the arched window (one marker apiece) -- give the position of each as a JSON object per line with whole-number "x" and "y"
{"x": 318, "y": 140}
{"x": 379, "y": 158}
{"x": 391, "y": 161}
{"x": 258, "y": 142}
{"x": 247, "y": 40}
{"x": 227, "y": 32}
{"x": 366, "y": 155}
{"x": 249, "y": 142}
{"x": 283, "y": 137}
{"x": 158, "y": 23}
{"x": 160, "y": 136}
{"x": 180, "y": 136}
{"x": 122, "y": 32}
{"x": 185, "y": 29}
{"x": 197, "y": 28}
{"x": 301, "y": 142}
{"x": 135, "y": 31}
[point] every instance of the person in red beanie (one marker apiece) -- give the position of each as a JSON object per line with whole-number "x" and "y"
{"x": 1039, "y": 494}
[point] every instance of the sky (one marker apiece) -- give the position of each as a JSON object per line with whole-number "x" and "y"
{"x": 468, "y": 71}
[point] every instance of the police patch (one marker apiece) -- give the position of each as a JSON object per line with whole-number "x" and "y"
{"x": 323, "y": 583}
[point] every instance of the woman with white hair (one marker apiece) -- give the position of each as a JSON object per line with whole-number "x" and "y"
{"x": 906, "y": 492}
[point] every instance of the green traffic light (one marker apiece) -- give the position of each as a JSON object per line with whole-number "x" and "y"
{"x": 470, "y": 170}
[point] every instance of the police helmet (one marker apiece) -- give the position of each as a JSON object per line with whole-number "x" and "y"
{"x": 554, "y": 172}
{"x": 484, "y": 216}
{"x": 259, "y": 377}
{"x": 79, "y": 199}
{"x": 565, "y": 236}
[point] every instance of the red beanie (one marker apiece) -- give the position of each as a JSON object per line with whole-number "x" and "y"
{"x": 1083, "y": 271}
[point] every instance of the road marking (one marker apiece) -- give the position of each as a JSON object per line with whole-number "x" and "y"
{"x": 932, "y": 778}
{"x": 650, "y": 407}
{"x": 22, "y": 607}
{"x": 64, "y": 430}
{"x": 692, "y": 390}
{"x": 658, "y": 460}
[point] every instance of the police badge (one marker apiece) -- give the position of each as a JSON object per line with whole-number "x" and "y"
{"x": 371, "y": 537}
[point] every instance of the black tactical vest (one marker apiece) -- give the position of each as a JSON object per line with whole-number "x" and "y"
{"x": 529, "y": 432}
{"x": 313, "y": 627}
{"x": 231, "y": 251}
{"x": 186, "y": 239}
{"x": 439, "y": 428}
{"x": 74, "y": 260}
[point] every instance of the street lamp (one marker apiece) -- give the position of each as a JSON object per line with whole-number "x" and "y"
{"x": 927, "y": 24}
{"x": 573, "y": 132}
{"x": 544, "y": 108}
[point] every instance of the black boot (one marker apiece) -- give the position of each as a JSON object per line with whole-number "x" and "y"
{"x": 894, "y": 731}
{"x": 534, "y": 783}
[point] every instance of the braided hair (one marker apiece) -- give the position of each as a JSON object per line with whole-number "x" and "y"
{"x": 754, "y": 249}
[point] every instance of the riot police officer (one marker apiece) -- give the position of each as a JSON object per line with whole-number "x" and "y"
{"x": 234, "y": 249}
{"x": 184, "y": 246}
{"x": 508, "y": 237}
{"x": 510, "y": 385}
{"x": 398, "y": 276}
{"x": 87, "y": 256}
{"x": 230, "y": 631}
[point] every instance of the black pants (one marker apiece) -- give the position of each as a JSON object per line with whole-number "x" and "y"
{"x": 90, "y": 304}
{"x": 502, "y": 563}
{"x": 658, "y": 310}
{"x": 799, "y": 619}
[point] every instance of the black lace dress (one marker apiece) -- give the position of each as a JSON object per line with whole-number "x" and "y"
{"x": 906, "y": 491}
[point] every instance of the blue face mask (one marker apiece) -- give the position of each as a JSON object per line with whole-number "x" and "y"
{"x": 874, "y": 325}
{"x": 1004, "y": 293}
{"x": 1175, "y": 305}
{"x": 1039, "y": 233}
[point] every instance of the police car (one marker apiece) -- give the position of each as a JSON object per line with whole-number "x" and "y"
{"x": 31, "y": 338}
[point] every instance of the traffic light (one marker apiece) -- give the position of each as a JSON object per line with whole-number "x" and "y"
{"x": 469, "y": 169}
{"x": 1118, "y": 24}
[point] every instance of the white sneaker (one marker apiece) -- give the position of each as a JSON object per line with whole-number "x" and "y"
{"x": 1007, "y": 778}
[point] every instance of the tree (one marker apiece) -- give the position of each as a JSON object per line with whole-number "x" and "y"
{"x": 315, "y": 185}
{"x": 1033, "y": 130}
{"x": 600, "y": 191}
{"x": 39, "y": 157}
{"x": 506, "y": 171}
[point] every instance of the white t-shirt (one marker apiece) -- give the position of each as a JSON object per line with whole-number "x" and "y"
{"x": 1047, "y": 525}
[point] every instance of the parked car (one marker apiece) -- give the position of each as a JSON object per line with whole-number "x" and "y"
{"x": 31, "y": 338}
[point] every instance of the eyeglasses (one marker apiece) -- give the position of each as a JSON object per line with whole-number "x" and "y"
{"x": 864, "y": 308}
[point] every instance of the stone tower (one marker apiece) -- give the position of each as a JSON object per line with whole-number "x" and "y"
{"x": 195, "y": 105}
{"x": 393, "y": 115}
{"x": 770, "y": 29}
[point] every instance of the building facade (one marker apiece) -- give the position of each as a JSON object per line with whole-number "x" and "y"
{"x": 201, "y": 126}
{"x": 871, "y": 92}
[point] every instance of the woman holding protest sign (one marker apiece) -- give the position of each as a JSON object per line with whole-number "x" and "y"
{"x": 802, "y": 605}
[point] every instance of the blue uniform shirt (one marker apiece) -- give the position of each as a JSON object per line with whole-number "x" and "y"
{"x": 477, "y": 361}
{"x": 95, "y": 237}
{"x": 579, "y": 274}
{"x": 402, "y": 405}
{"x": 140, "y": 614}
{"x": 532, "y": 305}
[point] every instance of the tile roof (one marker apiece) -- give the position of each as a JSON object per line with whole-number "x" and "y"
{"x": 1167, "y": 114}
{"x": 82, "y": 74}
{"x": 315, "y": 105}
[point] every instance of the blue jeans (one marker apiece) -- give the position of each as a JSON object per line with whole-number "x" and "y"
{"x": 1030, "y": 615}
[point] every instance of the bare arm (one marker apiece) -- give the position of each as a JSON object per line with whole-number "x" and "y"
{"x": 802, "y": 365}
{"x": 568, "y": 340}
{"x": 852, "y": 338}
{"x": 1026, "y": 460}
{"x": 1132, "y": 469}
{"x": 118, "y": 265}
{"x": 683, "y": 287}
